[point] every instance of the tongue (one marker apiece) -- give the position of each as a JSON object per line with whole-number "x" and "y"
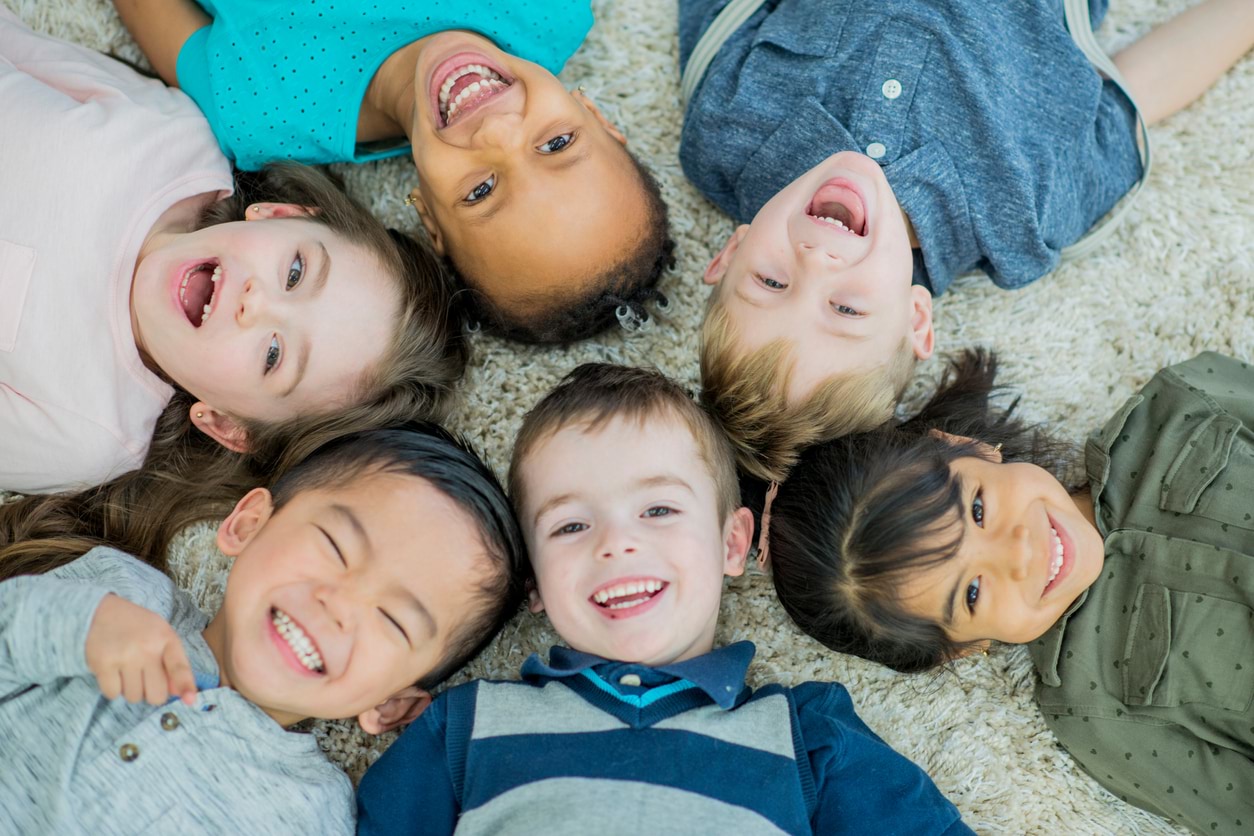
{"x": 462, "y": 83}
{"x": 834, "y": 200}
{"x": 197, "y": 294}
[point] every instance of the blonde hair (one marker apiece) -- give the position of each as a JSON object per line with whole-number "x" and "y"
{"x": 746, "y": 392}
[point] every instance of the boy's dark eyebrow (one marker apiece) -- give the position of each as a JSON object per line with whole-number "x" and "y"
{"x": 302, "y": 356}
{"x": 660, "y": 480}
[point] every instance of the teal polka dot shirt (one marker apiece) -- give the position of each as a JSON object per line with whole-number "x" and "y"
{"x": 284, "y": 79}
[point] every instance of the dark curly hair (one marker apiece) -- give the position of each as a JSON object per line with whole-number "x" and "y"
{"x": 622, "y": 293}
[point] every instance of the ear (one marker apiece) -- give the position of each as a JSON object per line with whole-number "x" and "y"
{"x": 261, "y": 211}
{"x": 922, "y": 335}
{"x": 718, "y": 265}
{"x": 985, "y": 450}
{"x": 219, "y": 426}
{"x": 737, "y": 539}
{"x": 609, "y": 126}
{"x": 428, "y": 220}
{"x": 400, "y": 709}
{"x": 247, "y": 518}
{"x": 979, "y": 648}
{"x": 534, "y": 603}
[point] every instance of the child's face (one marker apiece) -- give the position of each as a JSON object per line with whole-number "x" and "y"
{"x": 342, "y": 599}
{"x": 839, "y": 293}
{"x": 297, "y": 314}
{"x": 526, "y": 185}
{"x": 1029, "y": 549}
{"x": 623, "y": 531}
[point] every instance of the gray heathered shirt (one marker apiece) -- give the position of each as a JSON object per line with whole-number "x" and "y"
{"x": 74, "y": 762}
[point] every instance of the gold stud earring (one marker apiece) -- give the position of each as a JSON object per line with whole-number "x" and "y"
{"x": 997, "y": 447}
{"x": 409, "y": 200}
{"x": 200, "y": 415}
{"x": 582, "y": 89}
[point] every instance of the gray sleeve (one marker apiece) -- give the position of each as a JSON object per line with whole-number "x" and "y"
{"x": 44, "y": 619}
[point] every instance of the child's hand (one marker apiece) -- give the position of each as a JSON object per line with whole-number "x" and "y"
{"x": 135, "y": 653}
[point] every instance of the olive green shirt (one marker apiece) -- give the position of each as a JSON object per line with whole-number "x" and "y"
{"x": 1148, "y": 678}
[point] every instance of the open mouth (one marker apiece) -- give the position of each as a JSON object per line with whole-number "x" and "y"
{"x": 464, "y": 83}
{"x": 622, "y": 598}
{"x": 1061, "y": 556}
{"x": 199, "y": 290}
{"x": 302, "y": 646}
{"x": 837, "y": 205}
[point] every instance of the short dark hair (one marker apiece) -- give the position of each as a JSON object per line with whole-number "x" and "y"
{"x": 595, "y": 393}
{"x": 622, "y": 292}
{"x": 433, "y": 454}
{"x": 860, "y": 514}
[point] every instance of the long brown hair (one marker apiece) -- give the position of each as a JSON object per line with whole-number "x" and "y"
{"x": 187, "y": 477}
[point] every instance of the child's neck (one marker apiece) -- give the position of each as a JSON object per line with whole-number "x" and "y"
{"x": 215, "y": 637}
{"x": 387, "y": 109}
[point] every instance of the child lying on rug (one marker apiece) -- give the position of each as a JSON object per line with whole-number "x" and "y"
{"x": 639, "y": 724}
{"x": 959, "y": 152}
{"x": 525, "y": 187}
{"x": 375, "y": 568}
{"x": 139, "y": 295}
{"x": 913, "y": 545}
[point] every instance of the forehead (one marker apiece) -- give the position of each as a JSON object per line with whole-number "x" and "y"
{"x": 580, "y": 459}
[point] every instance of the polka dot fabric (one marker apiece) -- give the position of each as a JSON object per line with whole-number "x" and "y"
{"x": 285, "y": 80}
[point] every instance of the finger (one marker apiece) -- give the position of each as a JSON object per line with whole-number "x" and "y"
{"x": 156, "y": 691}
{"x": 133, "y": 683}
{"x": 182, "y": 681}
{"x": 110, "y": 682}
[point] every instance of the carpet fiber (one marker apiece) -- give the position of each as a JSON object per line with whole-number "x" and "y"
{"x": 1173, "y": 281}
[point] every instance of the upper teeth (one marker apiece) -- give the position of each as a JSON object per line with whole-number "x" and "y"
{"x": 625, "y": 589}
{"x": 215, "y": 278}
{"x": 490, "y": 80}
{"x": 833, "y": 222}
{"x": 298, "y": 641}
{"x": 1056, "y": 563}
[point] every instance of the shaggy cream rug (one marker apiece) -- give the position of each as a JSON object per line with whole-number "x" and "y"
{"x": 1175, "y": 280}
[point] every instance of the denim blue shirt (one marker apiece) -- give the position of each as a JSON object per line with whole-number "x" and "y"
{"x": 693, "y": 748}
{"x": 1002, "y": 143}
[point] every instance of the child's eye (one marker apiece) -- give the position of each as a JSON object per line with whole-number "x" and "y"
{"x": 977, "y": 509}
{"x": 570, "y": 528}
{"x": 845, "y": 310}
{"x": 273, "y": 353}
{"x": 397, "y": 625}
{"x": 659, "y": 511}
{"x": 557, "y": 143}
{"x": 482, "y": 190}
{"x": 771, "y": 284}
{"x": 973, "y": 594}
{"x": 295, "y": 272}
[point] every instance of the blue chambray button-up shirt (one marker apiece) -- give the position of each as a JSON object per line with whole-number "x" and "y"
{"x": 1002, "y": 143}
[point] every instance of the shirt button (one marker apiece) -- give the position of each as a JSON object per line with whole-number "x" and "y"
{"x": 891, "y": 88}
{"x": 128, "y": 752}
{"x": 169, "y": 721}
{"x": 876, "y": 150}
{"x": 630, "y": 679}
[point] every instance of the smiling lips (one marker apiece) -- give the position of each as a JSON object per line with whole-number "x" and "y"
{"x": 628, "y": 597}
{"x": 1058, "y": 561}
{"x": 465, "y": 82}
{"x": 839, "y": 206}
{"x": 198, "y": 290}
{"x": 301, "y": 645}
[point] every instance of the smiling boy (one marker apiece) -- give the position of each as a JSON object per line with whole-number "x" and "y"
{"x": 375, "y": 568}
{"x": 526, "y": 188}
{"x": 629, "y": 505}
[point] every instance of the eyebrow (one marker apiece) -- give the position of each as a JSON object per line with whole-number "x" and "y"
{"x": 563, "y": 162}
{"x": 302, "y": 356}
{"x": 658, "y": 481}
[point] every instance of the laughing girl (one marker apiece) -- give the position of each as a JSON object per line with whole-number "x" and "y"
{"x": 138, "y": 294}
{"x": 1134, "y": 592}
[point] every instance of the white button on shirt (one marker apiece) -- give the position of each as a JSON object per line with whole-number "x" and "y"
{"x": 630, "y": 679}
{"x": 876, "y": 150}
{"x": 891, "y": 88}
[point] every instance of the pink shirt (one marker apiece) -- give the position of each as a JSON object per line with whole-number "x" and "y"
{"x": 91, "y": 154}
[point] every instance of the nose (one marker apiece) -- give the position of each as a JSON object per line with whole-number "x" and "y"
{"x": 337, "y": 603}
{"x": 254, "y": 305}
{"x": 1020, "y": 558}
{"x": 500, "y": 130}
{"x": 807, "y": 252}
{"x": 615, "y": 541}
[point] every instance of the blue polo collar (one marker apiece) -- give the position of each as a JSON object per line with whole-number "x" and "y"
{"x": 720, "y": 674}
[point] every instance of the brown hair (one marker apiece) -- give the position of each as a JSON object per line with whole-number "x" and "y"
{"x": 187, "y": 477}
{"x": 622, "y": 293}
{"x": 595, "y": 393}
{"x": 747, "y": 394}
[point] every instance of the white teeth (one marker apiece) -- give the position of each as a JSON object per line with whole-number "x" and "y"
{"x": 489, "y": 80}
{"x": 833, "y": 222}
{"x": 217, "y": 274}
{"x": 624, "y": 590}
{"x": 295, "y": 637}
{"x": 1056, "y": 563}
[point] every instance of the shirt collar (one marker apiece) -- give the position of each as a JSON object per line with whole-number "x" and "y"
{"x": 719, "y": 673}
